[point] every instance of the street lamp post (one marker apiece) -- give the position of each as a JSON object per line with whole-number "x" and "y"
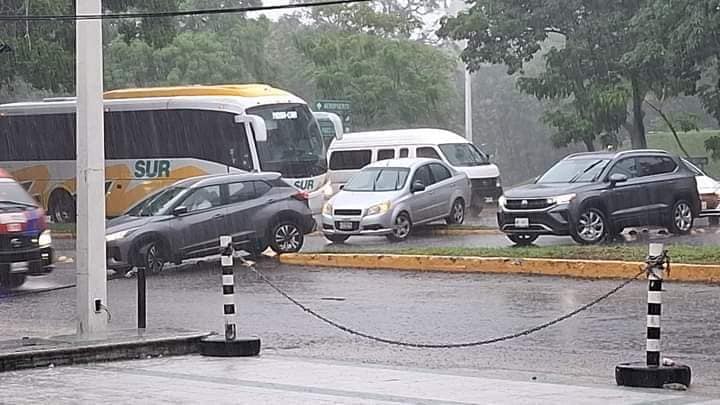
{"x": 468, "y": 104}
{"x": 90, "y": 180}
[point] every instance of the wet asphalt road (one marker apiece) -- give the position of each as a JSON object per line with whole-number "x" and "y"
{"x": 427, "y": 308}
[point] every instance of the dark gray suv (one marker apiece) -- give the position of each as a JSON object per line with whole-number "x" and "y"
{"x": 593, "y": 196}
{"x": 185, "y": 220}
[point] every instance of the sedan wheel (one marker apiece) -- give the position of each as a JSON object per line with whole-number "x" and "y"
{"x": 401, "y": 228}
{"x": 591, "y": 227}
{"x": 287, "y": 238}
{"x": 457, "y": 214}
{"x": 682, "y": 218}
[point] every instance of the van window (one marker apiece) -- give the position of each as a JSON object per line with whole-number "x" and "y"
{"x": 349, "y": 159}
{"x": 427, "y": 152}
{"x": 385, "y": 154}
{"x": 404, "y": 152}
{"x": 439, "y": 172}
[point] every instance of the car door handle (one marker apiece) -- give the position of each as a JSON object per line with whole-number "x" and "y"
{"x": 218, "y": 216}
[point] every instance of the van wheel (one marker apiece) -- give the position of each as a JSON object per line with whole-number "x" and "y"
{"x": 10, "y": 281}
{"x": 682, "y": 218}
{"x": 61, "y": 207}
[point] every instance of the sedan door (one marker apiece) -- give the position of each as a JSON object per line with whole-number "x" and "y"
{"x": 204, "y": 222}
{"x": 422, "y": 202}
{"x": 444, "y": 185}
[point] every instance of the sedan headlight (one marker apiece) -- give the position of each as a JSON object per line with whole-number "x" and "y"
{"x": 327, "y": 209}
{"x": 116, "y": 236}
{"x": 561, "y": 199}
{"x": 45, "y": 239}
{"x": 378, "y": 209}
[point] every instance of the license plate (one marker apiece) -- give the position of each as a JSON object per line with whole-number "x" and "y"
{"x": 522, "y": 223}
{"x": 704, "y": 205}
{"x": 19, "y": 267}
{"x": 14, "y": 227}
{"x": 345, "y": 226}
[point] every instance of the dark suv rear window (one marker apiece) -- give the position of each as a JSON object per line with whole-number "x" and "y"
{"x": 652, "y": 165}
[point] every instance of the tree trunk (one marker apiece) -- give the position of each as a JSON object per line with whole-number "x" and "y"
{"x": 637, "y": 136}
{"x": 589, "y": 144}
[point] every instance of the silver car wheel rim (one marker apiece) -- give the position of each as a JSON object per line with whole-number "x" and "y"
{"x": 153, "y": 260}
{"x": 683, "y": 217}
{"x": 402, "y": 227}
{"x": 591, "y": 226}
{"x": 287, "y": 238}
{"x": 458, "y": 213}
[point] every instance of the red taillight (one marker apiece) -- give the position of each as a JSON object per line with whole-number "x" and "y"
{"x": 301, "y": 196}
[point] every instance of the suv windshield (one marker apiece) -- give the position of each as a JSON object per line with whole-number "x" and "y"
{"x": 157, "y": 204}
{"x": 11, "y": 193}
{"x": 294, "y": 146}
{"x": 378, "y": 179}
{"x": 574, "y": 171}
{"x": 463, "y": 154}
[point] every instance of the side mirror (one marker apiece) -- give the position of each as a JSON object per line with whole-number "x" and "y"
{"x": 618, "y": 178}
{"x": 335, "y": 120}
{"x": 257, "y": 123}
{"x": 180, "y": 211}
{"x": 417, "y": 186}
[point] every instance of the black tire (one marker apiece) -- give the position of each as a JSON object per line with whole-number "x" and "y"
{"x": 682, "y": 218}
{"x": 402, "y": 228}
{"x": 11, "y": 281}
{"x": 457, "y": 213}
{"x": 286, "y": 237}
{"x": 713, "y": 221}
{"x": 522, "y": 239}
{"x": 337, "y": 238}
{"x": 591, "y": 227}
{"x": 62, "y": 208}
{"x": 153, "y": 255}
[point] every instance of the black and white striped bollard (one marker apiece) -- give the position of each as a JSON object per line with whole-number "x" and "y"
{"x": 654, "y": 373}
{"x": 229, "y": 345}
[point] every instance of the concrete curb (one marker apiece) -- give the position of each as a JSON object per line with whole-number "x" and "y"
{"x": 32, "y": 353}
{"x": 592, "y": 269}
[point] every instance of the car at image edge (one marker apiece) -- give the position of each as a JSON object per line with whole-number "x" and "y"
{"x": 709, "y": 190}
{"x": 390, "y": 197}
{"x": 185, "y": 220}
{"x": 592, "y": 197}
{"x": 25, "y": 240}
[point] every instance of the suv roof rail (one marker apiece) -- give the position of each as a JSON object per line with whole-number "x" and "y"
{"x": 58, "y": 99}
{"x": 627, "y": 152}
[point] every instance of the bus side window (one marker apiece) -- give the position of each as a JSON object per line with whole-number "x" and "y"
{"x": 404, "y": 152}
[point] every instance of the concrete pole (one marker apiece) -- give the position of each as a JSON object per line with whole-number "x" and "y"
{"x": 468, "y": 105}
{"x": 90, "y": 182}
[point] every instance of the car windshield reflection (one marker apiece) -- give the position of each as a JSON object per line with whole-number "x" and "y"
{"x": 378, "y": 179}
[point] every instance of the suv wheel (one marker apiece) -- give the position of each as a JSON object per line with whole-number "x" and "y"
{"x": 154, "y": 257}
{"x": 402, "y": 226}
{"x": 286, "y": 237}
{"x": 457, "y": 213}
{"x": 682, "y": 218}
{"x": 522, "y": 239}
{"x": 10, "y": 281}
{"x": 591, "y": 227}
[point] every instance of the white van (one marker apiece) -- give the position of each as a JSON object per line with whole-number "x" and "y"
{"x": 356, "y": 150}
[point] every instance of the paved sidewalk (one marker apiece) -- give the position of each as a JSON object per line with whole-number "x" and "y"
{"x": 284, "y": 380}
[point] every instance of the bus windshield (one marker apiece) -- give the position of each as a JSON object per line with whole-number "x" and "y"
{"x": 294, "y": 146}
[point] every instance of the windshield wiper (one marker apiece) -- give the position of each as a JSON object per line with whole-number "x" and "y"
{"x": 577, "y": 176}
{"x": 12, "y": 202}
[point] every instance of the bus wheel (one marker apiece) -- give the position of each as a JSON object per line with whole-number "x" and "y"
{"x": 61, "y": 207}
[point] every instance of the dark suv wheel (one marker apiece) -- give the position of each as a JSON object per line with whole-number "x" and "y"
{"x": 682, "y": 218}
{"x": 591, "y": 227}
{"x": 286, "y": 237}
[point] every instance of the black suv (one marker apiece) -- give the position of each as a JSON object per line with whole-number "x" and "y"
{"x": 593, "y": 196}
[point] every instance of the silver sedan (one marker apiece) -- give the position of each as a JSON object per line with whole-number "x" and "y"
{"x": 391, "y": 196}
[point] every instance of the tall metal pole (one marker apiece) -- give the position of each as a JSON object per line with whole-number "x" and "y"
{"x": 468, "y": 105}
{"x": 90, "y": 182}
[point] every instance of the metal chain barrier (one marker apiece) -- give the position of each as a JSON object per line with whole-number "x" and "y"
{"x": 525, "y": 332}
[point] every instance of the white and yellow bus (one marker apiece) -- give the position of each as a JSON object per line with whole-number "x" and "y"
{"x": 156, "y": 136}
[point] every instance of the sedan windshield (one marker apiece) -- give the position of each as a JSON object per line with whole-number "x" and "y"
{"x": 378, "y": 179}
{"x": 157, "y": 204}
{"x": 12, "y": 193}
{"x": 574, "y": 171}
{"x": 463, "y": 154}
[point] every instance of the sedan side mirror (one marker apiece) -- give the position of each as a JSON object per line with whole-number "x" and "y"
{"x": 616, "y": 178}
{"x": 417, "y": 186}
{"x": 180, "y": 211}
